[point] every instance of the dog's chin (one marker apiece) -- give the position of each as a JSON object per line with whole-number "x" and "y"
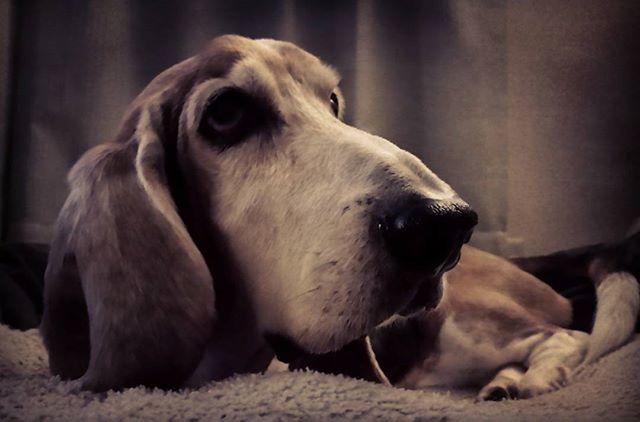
{"x": 288, "y": 349}
{"x": 285, "y": 349}
{"x": 427, "y": 296}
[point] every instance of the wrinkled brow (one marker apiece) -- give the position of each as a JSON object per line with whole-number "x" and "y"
{"x": 327, "y": 74}
{"x": 316, "y": 72}
{"x": 304, "y": 66}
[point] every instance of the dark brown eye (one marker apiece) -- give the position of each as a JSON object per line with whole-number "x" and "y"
{"x": 226, "y": 111}
{"x": 230, "y": 116}
{"x": 335, "y": 104}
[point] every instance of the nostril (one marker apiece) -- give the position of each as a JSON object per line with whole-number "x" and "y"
{"x": 403, "y": 233}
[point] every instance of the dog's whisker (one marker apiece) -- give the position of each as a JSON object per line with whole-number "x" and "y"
{"x": 299, "y": 295}
{"x": 325, "y": 265}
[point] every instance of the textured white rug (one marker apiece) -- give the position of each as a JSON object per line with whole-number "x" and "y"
{"x": 609, "y": 390}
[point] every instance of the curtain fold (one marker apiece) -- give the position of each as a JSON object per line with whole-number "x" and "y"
{"x": 481, "y": 91}
{"x": 6, "y": 68}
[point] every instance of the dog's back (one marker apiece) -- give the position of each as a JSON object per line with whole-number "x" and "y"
{"x": 486, "y": 279}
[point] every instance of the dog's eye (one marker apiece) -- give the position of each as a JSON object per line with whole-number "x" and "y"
{"x": 229, "y": 117}
{"x": 226, "y": 111}
{"x": 335, "y": 104}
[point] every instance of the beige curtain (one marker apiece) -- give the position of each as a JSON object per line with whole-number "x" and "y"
{"x": 529, "y": 109}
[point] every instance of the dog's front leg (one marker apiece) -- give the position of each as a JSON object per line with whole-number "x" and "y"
{"x": 551, "y": 362}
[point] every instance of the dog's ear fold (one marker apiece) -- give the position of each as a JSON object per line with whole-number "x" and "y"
{"x": 149, "y": 294}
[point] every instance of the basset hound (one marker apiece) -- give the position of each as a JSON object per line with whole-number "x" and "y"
{"x": 236, "y": 215}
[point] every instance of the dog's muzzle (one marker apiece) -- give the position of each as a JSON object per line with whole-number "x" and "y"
{"x": 425, "y": 235}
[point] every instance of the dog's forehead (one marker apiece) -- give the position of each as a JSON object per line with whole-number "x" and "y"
{"x": 302, "y": 64}
{"x": 220, "y": 57}
{"x": 281, "y": 57}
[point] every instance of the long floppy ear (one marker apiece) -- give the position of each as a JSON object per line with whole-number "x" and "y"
{"x": 123, "y": 258}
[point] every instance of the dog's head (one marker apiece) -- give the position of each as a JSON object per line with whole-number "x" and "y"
{"x": 333, "y": 229}
{"x": 329, "y": 230}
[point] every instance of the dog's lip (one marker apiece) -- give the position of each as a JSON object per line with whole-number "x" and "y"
{"x": 424, "y": 299}
{"x": 451, "y": 263}
{"x": 427, "y": 296}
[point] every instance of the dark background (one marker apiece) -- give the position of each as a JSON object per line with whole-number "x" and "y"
{"x": 529, "y": 109}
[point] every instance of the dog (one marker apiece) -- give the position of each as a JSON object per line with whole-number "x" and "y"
{"x": 234, "y": 214}
{"x": 500, "y": 327}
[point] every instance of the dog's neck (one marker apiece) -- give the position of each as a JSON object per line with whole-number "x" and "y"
{"x": 398, "y": 348}
{"x": 401, "y": 345}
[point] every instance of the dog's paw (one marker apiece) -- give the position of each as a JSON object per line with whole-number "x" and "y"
{"x": 493, "y": 392}
{"x": 504, "y": 386}
{"x": 541, "y": 381}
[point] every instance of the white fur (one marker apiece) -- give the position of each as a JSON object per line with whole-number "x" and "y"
{"x": 471, "y": 350}
{"x": 616, "y": 314}
{"x": 467, "y": 359}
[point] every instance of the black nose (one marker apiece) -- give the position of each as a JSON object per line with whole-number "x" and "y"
{"x": 426, "y": 234}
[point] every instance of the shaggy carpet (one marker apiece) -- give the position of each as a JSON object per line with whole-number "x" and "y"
{"x": 608, "y": 390}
